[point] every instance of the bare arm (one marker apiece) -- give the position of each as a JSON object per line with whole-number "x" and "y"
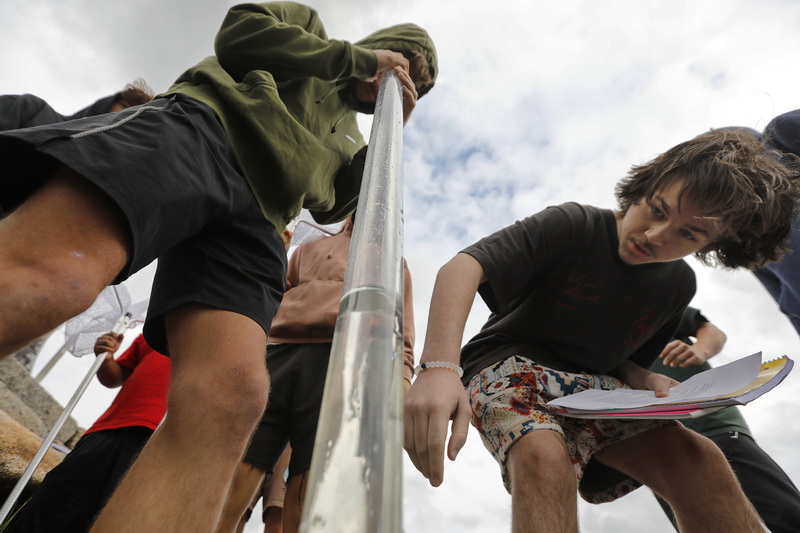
{"x": 111, "y": 374}
{"x": 437, "y": 395}
{"x": 409, "y": 331}
{"x": 637, "y": 377}
{"x": 710, "y": 341}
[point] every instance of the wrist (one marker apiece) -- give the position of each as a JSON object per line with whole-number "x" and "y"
{"x": 443, "y": 365}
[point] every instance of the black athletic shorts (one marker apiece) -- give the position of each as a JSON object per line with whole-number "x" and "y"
{"x": 171, "y": 169}
{"x": 72, "y": 494}
{"x": 297, "y": 380}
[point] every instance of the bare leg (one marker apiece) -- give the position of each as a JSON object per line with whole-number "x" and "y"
{"x": 275, "y": 494}
{"x": 246, "y": 486}
{"x": 543, "y": 485}
{"x": 219, "y": 390}
{"x": 691, "y": 473}
{"x": 273, "y": 519}
{"x": 58, "y": 250}
{"x": 293, "y": 504}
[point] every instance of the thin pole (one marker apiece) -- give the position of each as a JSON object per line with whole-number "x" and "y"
{"x": 51, "y": 363}
{"x": 355, "y": 482}
{"x": 119, "y": 328}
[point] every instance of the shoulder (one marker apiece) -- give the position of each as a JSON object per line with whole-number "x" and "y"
{"x": 572, "y": 214}
{"x": 568, "y": 223}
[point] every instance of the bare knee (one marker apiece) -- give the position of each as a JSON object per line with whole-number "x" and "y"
{"x": 543, "y": 484}
{"x": 231, "y": 398}
{"x": 693, "y": 462}
{"x": 693, "y": 451}
{"x": 219, "y": 373}
{"x": 541, "y": 459}
{"x": 702, "y": 489}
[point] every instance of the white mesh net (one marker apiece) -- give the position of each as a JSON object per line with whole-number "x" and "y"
{"x": 81, "y": 332}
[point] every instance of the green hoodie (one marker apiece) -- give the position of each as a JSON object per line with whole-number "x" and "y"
{"x": 280, "y": 87}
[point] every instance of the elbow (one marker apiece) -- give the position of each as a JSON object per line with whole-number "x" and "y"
{"x": 109, "y": 382}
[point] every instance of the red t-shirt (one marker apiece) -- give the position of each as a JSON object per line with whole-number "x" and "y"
{"x": 142, "y": 400}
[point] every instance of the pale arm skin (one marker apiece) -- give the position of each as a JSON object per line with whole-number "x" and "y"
{"x": 437, "y": 395}
{"x": 637, "y": 377}
{"x": 111, "y": 374}
{"x": 710, "y": 341}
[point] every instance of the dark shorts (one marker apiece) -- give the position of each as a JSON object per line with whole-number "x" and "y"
{"x": 73, "y": 492}
{"x": 297, "y": 376}
{"x": 170, "y": 168}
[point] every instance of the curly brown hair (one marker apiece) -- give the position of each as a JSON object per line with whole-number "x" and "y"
{"x": 748, "y": 192}
{"x": 421, "y": 72}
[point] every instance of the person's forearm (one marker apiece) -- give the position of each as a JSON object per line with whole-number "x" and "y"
{"x": 110, "y": 373}
{"x": 409, "y": 330}
{"x": 288, "y": 40}
{"x": 437, "y": 396}
{"x": 632, "y": 374}
{"x": 640, "y": 378}
{"x": 456, "y": 285}
{"x": 710, "y": 340}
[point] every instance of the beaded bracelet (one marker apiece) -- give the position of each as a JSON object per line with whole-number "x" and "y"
{"x": 439, "y": 364}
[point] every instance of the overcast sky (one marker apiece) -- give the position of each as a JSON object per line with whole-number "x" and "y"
{"x": 537, "y": 103}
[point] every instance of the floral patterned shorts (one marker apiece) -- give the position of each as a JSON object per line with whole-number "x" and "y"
{"x": 508, "y": 401}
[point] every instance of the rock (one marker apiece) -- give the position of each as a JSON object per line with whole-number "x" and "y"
{"x": 18, "y": 445}
{"x": 38, "y": 401}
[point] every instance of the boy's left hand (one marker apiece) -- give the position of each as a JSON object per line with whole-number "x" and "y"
{"x": 436, "y": 397}
{"x": 660, "y": 384}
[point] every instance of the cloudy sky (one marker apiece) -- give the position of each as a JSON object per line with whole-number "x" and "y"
{"x": 538, "y": 102}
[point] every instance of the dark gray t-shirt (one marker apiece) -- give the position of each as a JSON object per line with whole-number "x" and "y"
{"x": 560, "y": 295}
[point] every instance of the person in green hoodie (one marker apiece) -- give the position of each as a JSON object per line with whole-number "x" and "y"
{"x": 203, "y": 178}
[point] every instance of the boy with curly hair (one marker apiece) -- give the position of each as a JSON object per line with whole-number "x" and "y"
{"x": 584, "y": 298}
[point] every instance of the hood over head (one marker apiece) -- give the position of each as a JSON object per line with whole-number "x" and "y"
{"x": 403, "y": 38}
